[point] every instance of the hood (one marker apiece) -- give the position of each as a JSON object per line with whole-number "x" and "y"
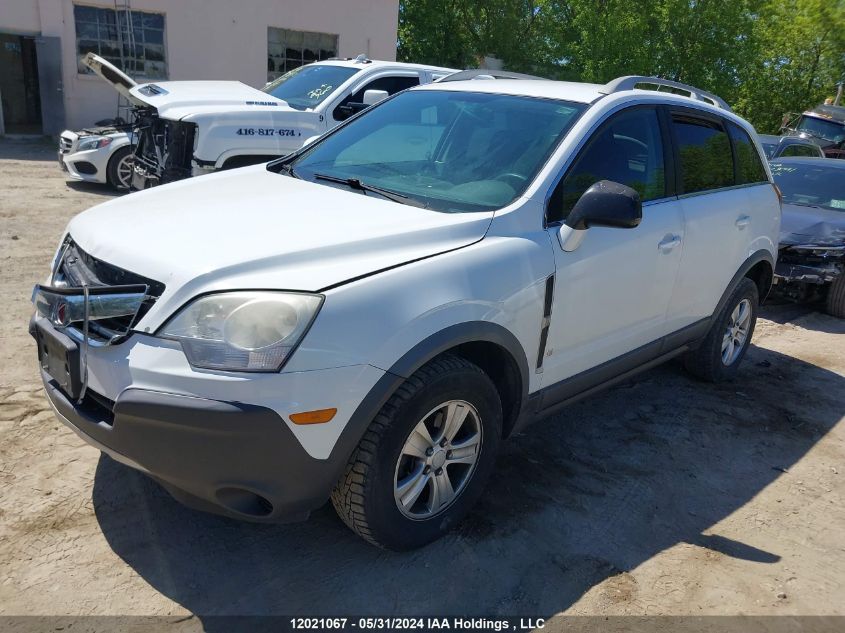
{"x": 252, "y": 228}
{"x": 812, "y": 226}
{"x": 175, "y": 99}
{"x": 110, "y": 73}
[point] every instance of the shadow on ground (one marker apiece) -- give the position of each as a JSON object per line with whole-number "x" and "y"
{"x": 39, "y": 148}
{"x": 95, "y": 188}
{"x": 593, "y": 492}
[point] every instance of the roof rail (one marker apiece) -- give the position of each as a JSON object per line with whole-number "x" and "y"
{"x": 361, "y": 59}
{"x": 631, "y": 82}
{"x": 484, "y": 73}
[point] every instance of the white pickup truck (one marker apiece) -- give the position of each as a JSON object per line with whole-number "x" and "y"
{"x": 187, "y": 128}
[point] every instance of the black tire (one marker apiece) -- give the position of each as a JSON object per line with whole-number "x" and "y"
{"x": 111, "y": 172}
{"x": 836, "y": 297}
{"x": 706, "y": 362}
{"x": 364, "y": 496}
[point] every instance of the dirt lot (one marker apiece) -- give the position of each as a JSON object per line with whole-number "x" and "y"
{"x": 662, "y": 496}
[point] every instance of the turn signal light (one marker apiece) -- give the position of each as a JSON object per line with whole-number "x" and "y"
{"x": 321, "y": 416}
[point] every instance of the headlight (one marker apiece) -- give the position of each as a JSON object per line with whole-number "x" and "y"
{"x": 242, "y": 331}
{"x": 93, "y": 142}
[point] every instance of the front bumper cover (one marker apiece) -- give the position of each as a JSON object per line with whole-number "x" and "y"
{"x": 228, "y": 458}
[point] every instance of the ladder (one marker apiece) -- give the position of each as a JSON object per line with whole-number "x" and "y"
{"x": 125, "y": 41}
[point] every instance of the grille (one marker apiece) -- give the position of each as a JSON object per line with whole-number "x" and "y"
{"x": 65, "y": 145}
{"x": 78, "y": 267}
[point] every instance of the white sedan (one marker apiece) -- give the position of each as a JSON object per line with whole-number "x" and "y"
{"x": 99, "y": 154}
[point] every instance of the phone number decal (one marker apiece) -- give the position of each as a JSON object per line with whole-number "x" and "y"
{"x": 267, "y": 131}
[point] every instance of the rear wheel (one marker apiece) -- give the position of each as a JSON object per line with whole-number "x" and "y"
{"x": 836, "y": 297}
{"x": 425, "y": 458}
{"x": 720, "y": 354}
{"x": 119, "y": 171}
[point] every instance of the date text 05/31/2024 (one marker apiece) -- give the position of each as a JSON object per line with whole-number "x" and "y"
{"x": 410, "y": 624}
{"x": 266, "y": 131}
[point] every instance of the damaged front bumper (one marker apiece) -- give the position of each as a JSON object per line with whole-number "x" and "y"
{"x": 164, "y": 151}
{"x": 810, "y": 264}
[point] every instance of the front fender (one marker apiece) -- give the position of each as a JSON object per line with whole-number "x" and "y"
{"x": 492, "y": 290}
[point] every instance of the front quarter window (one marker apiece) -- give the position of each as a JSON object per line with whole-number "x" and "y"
{"x": 447, "y": 150}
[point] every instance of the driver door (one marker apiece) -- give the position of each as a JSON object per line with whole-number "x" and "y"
{"x": 611, "y": 294}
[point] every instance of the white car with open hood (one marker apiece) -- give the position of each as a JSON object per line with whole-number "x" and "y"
{"x": 368, "y": 318}
{"x": 186, "y": 128}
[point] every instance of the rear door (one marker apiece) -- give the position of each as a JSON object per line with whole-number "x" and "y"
{"x": 716, "y": 214}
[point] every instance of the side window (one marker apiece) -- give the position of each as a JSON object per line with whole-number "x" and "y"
{"x": 627, "y": 149}
{"x": 354, "y": 102}
{"x": 749, "y": 167}
{"x": 800, "y": 150}
{"x": 705, "y": 151}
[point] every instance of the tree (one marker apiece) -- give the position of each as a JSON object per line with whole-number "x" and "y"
{"x": 765, "y": 57}
{"x": 799, "y": 57}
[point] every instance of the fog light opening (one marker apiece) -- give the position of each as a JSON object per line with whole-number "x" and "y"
{"x": 244, "y": 502}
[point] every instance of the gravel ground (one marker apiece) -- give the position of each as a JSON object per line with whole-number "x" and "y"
{"x": 661, "y": 496}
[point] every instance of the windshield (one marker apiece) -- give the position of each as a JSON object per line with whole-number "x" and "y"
{"x": 446, "y": 150}
{"x": 828, "y": 130}
{"x": 811, "y": 184}
{"x": 308, "y": 86}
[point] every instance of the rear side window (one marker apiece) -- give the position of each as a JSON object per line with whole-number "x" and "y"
{"x": 627, "y": 149}
{"x": 749, "y": 167}
{"x": 800, "y": 150}
{"x": 705, "y": 152}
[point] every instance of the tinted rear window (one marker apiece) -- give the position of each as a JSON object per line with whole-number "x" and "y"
{"x": 749, "y": 166}
{"x": 706, "y": 158}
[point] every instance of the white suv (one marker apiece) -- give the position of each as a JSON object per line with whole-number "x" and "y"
{"x": 369, "y": 318}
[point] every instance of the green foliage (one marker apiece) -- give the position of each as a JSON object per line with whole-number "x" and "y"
{"x": 766, "y": 57}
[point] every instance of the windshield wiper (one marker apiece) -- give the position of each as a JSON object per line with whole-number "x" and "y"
{"x": 354, "y": 183}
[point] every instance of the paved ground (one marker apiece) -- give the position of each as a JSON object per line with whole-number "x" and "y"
{"x": 662, "y": 496}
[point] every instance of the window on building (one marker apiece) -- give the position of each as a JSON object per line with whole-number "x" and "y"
{"x": 131, "y": 40}
{"x": 287, "y": 49}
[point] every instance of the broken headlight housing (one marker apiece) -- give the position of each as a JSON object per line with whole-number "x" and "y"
{"x": 254, "y": 331}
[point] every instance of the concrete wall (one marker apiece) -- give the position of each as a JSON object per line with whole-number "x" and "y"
{"x": 207, "y": 39}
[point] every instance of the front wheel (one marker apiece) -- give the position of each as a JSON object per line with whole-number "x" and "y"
{"x": 119, "y": 171}
{"x": 718, "y": 357}
{"x": 835, "y": 302}
{"x": 425, "y": 458}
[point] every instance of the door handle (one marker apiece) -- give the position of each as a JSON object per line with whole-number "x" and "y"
{"x": 743, "y": 221}
{"x": 668, "y": 243}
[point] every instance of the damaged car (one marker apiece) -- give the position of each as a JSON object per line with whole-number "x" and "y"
{"x": 824, "y": 124}
{"x": 811, "y": 255}
{"x": 188, "y": 128}
{"x": 101, "y": 153}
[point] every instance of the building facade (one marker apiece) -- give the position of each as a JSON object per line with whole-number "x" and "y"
{"x": 44, "y": 88}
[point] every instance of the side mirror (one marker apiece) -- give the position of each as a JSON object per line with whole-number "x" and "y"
{"x": 311, "y": 139}
{"x": 372, "y": 97}
{"x": 606, "y": 203}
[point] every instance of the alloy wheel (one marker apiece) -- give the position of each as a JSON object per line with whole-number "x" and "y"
{"x": 437, "y": 460}
{"x": 736, "y": 333}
